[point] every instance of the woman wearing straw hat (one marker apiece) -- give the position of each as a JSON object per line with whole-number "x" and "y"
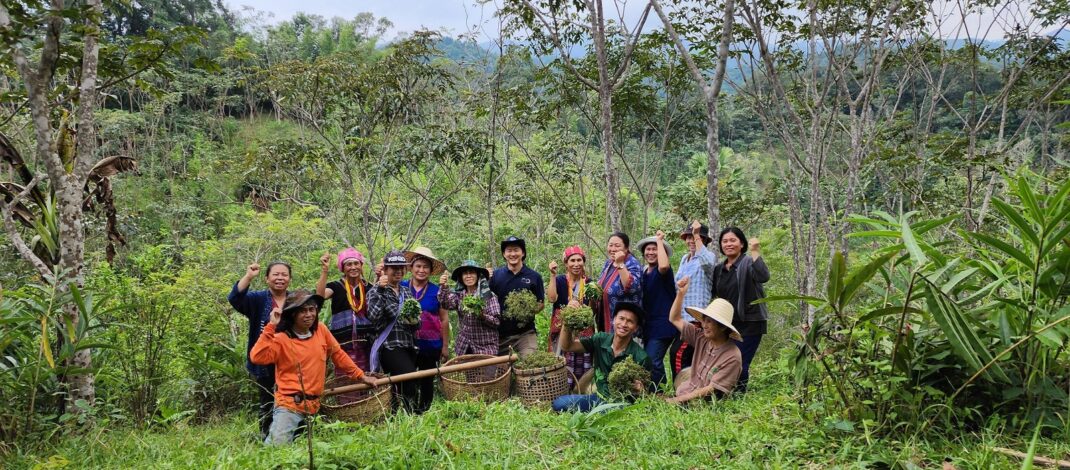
{"x": 717, "y": 362}
{"x": 296, "y": 344}
{"x": 478, "y": 330}
{"x": 394, "y": 349}
{"x": 568, "y": 290}
{"x": 349, "y": 304}
{"x": 433, "y": 334}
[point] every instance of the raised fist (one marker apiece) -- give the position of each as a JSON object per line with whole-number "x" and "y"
{"x": 553, "y": 268}
{"x": 252, "y": 271}
{"x": 444, "y": 279}
{"x": 325, "y": 261}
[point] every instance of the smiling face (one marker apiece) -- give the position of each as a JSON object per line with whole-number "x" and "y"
{"x": 690, "y": 240}
{"x": 625, "y": 323}
{"x": 650, "y": 253}
{"x": 394, "y": 273}
{"x": 469, "y": 278}
{"x": 575, "y": 265}
{"x": 278, "y": 278}
{"x": 731, "y": 245}
{"x": 713, "y": 330}
{"x": 513, "y": 255}
{"x": 353, "y": 269}
{"x": 306, "y": 316}
{"x": 615, "y": 245}
{"x": 421, "y": 269}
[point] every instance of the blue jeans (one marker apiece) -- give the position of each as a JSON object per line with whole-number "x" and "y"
{"x": 747, "y": 348}
{"x": 656, "y": 349}
{"x": 284, "y": 422}
{"x": 582, "y": 403}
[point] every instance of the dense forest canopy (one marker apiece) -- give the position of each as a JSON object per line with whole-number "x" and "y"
{"x": 906, "y": 172}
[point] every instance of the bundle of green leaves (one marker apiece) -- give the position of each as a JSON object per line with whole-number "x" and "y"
{"x": 537, "y": 359}
{"x": 473, "y": 305}
{"x": 410, "y": 312}
{"x": 577, "y": 318}
{"x": 623, "y": 376}
{"x": 521, "y": 305}
{"x": 592, "y": 292}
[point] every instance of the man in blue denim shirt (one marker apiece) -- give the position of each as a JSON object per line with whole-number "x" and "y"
{"x": 257, "y": 306}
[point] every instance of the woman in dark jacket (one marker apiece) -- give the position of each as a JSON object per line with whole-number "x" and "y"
{"x": 738, "y": 279}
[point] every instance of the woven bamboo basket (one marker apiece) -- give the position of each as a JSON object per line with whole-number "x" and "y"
{"x": 488, "y": 384}
{"x": 362, "y": 406}
{"x": 540, "y": 386}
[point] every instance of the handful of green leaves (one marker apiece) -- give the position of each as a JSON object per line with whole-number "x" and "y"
{"x": 592, "y": 292}
{"x": 521, "y": 305}
{"x": 410, "y": 312}
{"x": 577, "y": 318}
{"x": 536, "y": 360}
{"x": 473, "y": 305}
{"x": 623, "y": 376}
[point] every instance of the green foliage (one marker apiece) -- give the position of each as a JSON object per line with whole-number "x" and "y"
{"x": 521, "y": 305}
{"x": 537, "y": 360}
{"x": 410, "y": 312}
{"x": 592, "y": 292}
{"x": 577, "y": 319}
{"x": 473, "y": 305}
{"x": 623, "y": 377}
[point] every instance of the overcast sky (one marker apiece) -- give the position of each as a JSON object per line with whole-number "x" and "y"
{"x": 459, "y": 16}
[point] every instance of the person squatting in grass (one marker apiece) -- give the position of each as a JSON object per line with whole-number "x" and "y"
{"x": 659, "y": 289}
{"x": 298, "y": 346}
{"x": 349, "y": 304}
{"x": 738, "y": 279}
{"x": 257, "y": 307}
{"x": 717, "y": 361}
{"x": 620, "y": 279}
{"x": 698, "y": 264}
{"x": 515, "y": 276}
{"x": 394, "y": 350}
{"x": 606, "y": 349}
{"x": 569, "y": 290}
{"x": 433, "y": 334}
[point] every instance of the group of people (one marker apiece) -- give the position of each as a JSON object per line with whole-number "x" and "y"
{"x": 702, "y": 316}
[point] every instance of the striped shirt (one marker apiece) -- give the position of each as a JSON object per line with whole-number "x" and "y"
{"x": 699, "y": 268}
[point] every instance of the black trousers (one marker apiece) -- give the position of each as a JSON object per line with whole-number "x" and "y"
{"x": 426, "y": 386}
{"x": 265, "y": 401}
{"x": 397, "y": 362}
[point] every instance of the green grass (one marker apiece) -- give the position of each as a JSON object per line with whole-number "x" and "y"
{"x": 767, "y": 429}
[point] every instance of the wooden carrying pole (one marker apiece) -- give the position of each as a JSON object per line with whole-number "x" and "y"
{"x": 422, "y": 374}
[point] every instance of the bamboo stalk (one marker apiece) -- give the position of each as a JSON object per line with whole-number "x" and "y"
{"x": 1045, "y": 461}
{"x": 420, "y": 374}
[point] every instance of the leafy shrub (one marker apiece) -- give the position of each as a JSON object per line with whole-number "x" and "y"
{"x": 536, "y": 360}
{"x": 623, "y": 376}
{"x": 577, "y": 318}
{"x": 410, "y": 312}
{"x": 473, "y": 305}
{"x": 521, "y": 306}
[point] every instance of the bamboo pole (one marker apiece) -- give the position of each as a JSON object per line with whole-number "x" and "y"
{"x": 1045, "y": 461}
{"x": 422, "y": 374}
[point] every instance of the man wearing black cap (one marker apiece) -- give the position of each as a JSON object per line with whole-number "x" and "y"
{"x": 511, "y": 277}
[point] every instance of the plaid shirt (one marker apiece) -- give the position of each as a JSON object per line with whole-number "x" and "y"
{"x": 383, "y": 307}
{"x": 479, "y": 334}
{"x": 700, "y": 268}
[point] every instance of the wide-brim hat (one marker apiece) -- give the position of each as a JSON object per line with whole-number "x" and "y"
{"x": 514, "y": 240}
{"x": 299, "y": 298}
{"x": 437, "y": 266}
{"x": 703, "y": 232}
{"x": 720, "y": 311}
{"x": 469, "y": 265}
{"x": 648, "y": 240}
{"x": 395, "y": 258}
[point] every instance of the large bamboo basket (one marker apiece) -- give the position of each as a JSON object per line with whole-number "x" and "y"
{"x": 540, "y": 386}
{"x": 488, "y": 384}
{"x": 361, "y": 406}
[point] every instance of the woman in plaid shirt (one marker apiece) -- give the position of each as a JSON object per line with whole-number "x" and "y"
{"x": 394, "y": 350}
{"x": 479, "y": 330}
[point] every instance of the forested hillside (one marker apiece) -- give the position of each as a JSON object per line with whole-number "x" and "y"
{"x": 905, "y": 166}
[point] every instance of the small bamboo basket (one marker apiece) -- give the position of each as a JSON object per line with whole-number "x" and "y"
{"x": 540, "y": 386}
{"x": 487, "y": 384}
{"x": 362, "y": 406}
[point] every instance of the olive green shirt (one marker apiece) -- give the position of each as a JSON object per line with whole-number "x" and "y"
{"x": 600, "y": 346}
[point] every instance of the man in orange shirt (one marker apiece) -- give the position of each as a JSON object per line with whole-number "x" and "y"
{"x": 298, "y": 345}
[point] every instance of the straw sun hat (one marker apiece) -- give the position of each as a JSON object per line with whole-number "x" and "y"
{"x": 720, "y": 311}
